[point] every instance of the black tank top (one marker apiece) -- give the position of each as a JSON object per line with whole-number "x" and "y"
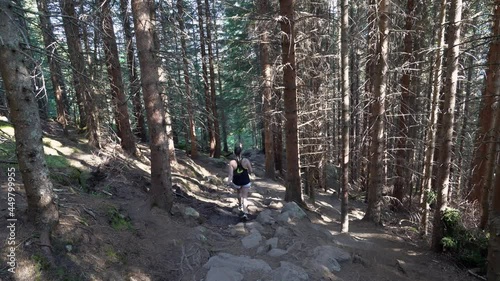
{"x": 240, "y": 175}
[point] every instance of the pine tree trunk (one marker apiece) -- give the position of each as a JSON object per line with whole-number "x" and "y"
{"x": 446, "y": 132}
{"x": 161, "y": 182}
{"x": 187, "y": 84}
{"x": 18, "y": 85}
{"x": 293, "y": 188}
{"x": 263, "y": 8}
{"x": 116, "y": 80}
{"x": 278, "y": 133}
{"x": 432, "y": 127}
{"x": 135, "y": 87}
{"x": 213, "y": 97}
{"x": 491, "y": 137}
{"x": 208, "y": 99}
{"x": 377, "y": 153}
{"x": 346, "y": 120}
{"x": 405, "y": 105}
{"x": 86, "y": 103}
{"x": 56, "y": 76}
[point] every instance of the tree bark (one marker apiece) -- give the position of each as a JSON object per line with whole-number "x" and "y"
{"x": 405, "y": 105}
{"x": 377, "y": 170}
{"x": 161, "y": 182}
{"x": 24, "y": 115}
{"x": 135, "y": 87}
{"x": 263, "y": 8}
{"x": 293, "y": 188}
{"x": 346, "y": 118}
{"x": 187, "y": 84}
{"x": 446, "y": 133}
{"x": 56, "y": 76}
{"x": 213, "y": 97}
{"x": 432, "y": 129}
{"x": 116, "y": 80}
{"x": 208, "y": 99}
{"x": 85, "y": 100}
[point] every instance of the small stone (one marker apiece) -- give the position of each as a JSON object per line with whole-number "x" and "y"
{"x": 252, "y": 240}
{"x": 273, "y": 242}
{"x": 69, "y": 248}
{"x": 277, "y": 252}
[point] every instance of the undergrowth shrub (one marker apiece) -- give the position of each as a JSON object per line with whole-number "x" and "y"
{"x": 470, "y": 246}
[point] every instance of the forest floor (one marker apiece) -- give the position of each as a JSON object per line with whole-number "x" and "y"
{"x": 108, "y": 232}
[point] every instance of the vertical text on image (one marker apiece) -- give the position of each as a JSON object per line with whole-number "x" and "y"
{"x": 11, "y": 220}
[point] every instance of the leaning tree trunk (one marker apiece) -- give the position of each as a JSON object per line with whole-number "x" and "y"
{"x": 187, "y": 84}
{"x": 56, "y": 75}
{"x": 263, "y": 7}
{"x": 161, "y": 182}
{"x": 19, "y": 88}
{"x": 431, "y": 133}
{"x": 346, "y": 120}
{"x": 377, "y": 167}
{"x": 115, "y": 78}
{"x": 485, "y": 155}
{"x": 135, "y": 87}
{"x": 86, "y": 104}
{"x": 293, "y": 188}
{"x": 446, "y": 133}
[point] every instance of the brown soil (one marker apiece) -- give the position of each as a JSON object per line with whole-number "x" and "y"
{"x": 150, "y": 244}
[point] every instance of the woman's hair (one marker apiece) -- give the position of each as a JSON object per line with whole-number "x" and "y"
{"x": 237, "y": 150}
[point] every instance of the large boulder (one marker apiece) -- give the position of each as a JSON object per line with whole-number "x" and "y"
{"x": 252, "y": 240}
{"x": 289, "y": 272}
{"x": 327, "y": 258}
{"x": 293, "y": 210}
{"x": 241, "y": 264}
{"x": 223, "y": 274}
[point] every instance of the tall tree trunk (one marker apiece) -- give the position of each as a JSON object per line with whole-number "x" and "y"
{"x": 491, "y": 136}
{"x": 161, "y": 181}
{"x": 432, "y": 127}
{"x": 263, "y": 8}
{"x": 189, "y": 96}
{"x": 135, "y": 87}
{"x": 208, "y": 99}
{"x": 116, "y": 80}
{"x": 493, "y": 273}
{"x": 278, "y": 133}
{"x": 371, "y": 63}
{"x": 24, "y": 115}
{"x": 377, "y": 171}
{"x": 213, "y": 97}
{"x": 446, "y": 133}
{"x": 86, "y": 104}
{"x": 346, "y": 118}
{"x": 56, "y": 76}
{"x": 405, "y": 117}
{"x": 293, "y": 188}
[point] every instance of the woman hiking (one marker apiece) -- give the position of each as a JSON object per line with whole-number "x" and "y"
{"x": 239, "y": 171}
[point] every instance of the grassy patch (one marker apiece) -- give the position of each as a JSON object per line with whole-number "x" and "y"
{"x": 117, "y": 220}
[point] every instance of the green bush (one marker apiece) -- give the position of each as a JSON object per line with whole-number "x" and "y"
{"x": 470, "y": 246}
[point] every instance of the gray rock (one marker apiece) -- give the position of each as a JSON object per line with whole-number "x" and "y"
{"x": 289, "y": 272}
{"x": 294, "y": 210}
{"x": 265, "y": 218}
{"x": 272, "y": 243}
{"x": 223, "y": 274}
{"x": 252, "y": 240}
{"x": 277, "y": 252}
{"x": 255, "y": 225}
{"x": 275, "y": 205}
{"x": 241, "y": 264}
{"x": 329, "y": 257}
{"x": 282, "y": 232}
{"x": 190, "y": 213}
{"x": 284, "y": 217}
{"x": 238, "y": 229}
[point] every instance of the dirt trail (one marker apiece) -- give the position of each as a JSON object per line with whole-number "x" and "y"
{"x": 108, "y": 231}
